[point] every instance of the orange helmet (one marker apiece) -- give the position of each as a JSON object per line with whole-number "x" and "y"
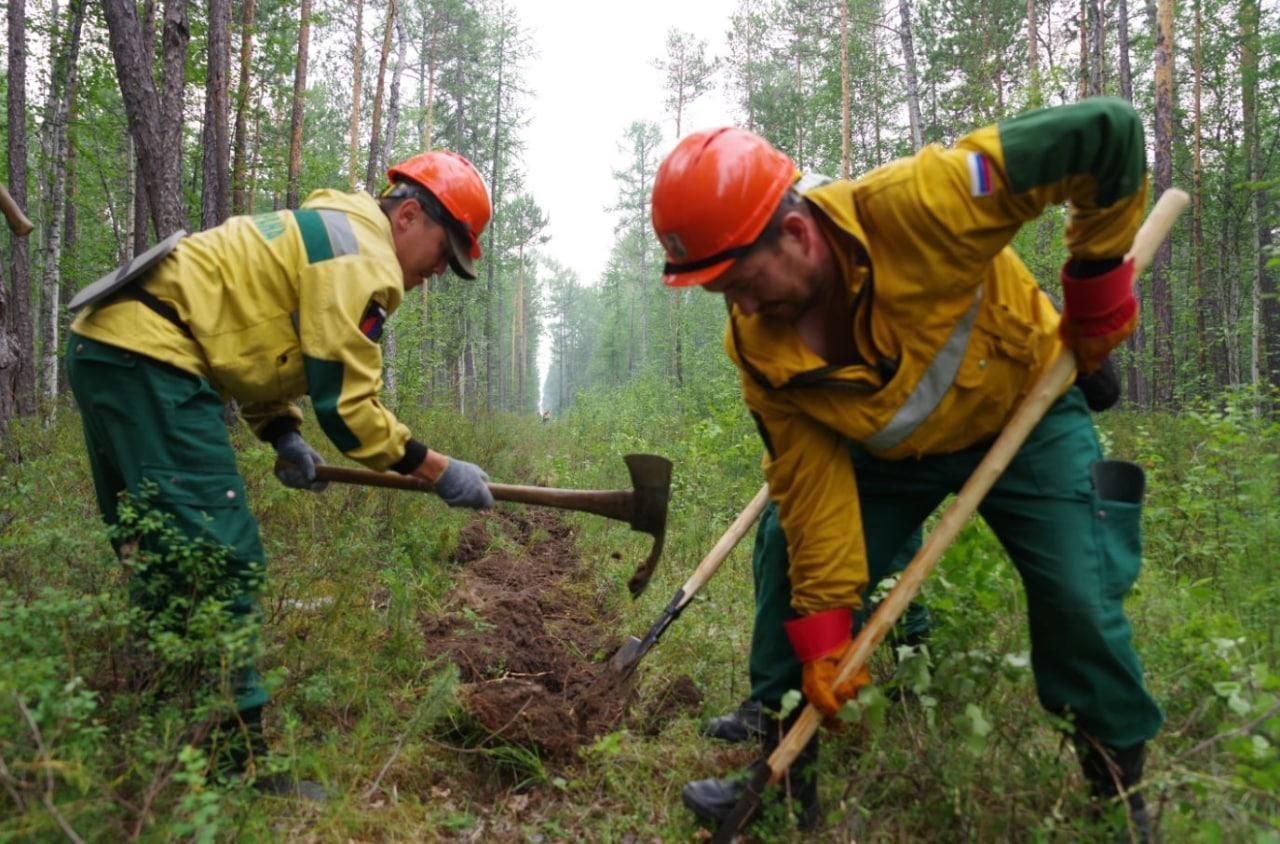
{"x": 712, "y": 198}
{"x": 460, "y": 190}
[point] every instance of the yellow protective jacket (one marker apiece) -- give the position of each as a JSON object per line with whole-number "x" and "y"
{"x": 951, "y": 328}
{"x": 281, "y": 305}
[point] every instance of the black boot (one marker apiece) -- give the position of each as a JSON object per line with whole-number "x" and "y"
{"x": 1107, "y": 771}
{"x": 243, "y": 756}
{"x": 712, "y": 800}
{"x": 744, "y": 724}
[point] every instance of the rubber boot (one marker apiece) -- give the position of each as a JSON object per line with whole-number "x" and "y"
{"x": 244, "y": 757}
{"x": 1107, "y": 771}
{"x": 712, "y": 800}
{"x": 744, "y": 724}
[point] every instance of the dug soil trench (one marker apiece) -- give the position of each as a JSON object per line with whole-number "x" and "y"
{"x": 531, "y": 644}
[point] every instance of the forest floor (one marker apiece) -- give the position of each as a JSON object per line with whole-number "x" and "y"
{"x": 444, "y": 673}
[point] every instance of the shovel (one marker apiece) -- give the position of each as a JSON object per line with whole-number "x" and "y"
{"x": 644, "y": 506}
{"x": 1046, "y": 391}
{"x": 627, "y": 657}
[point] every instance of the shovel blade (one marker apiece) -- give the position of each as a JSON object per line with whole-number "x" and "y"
{"x": 625, "y": 659}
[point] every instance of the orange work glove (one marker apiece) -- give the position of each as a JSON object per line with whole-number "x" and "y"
{"x": 820, "y": 640}
{"x": 1099, "y": 310}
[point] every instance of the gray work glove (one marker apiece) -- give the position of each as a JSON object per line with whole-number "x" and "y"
{"x": 464, "y": 484}
{"x": 296, "y": 467}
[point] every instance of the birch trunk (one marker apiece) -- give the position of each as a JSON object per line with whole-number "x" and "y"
{"x": 909, "y": 66}
{"x": 357, "y": 73}
{"x": 63, "y": 73}
{"x": 844, "y": 89}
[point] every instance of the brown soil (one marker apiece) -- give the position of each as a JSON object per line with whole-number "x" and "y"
{"x": 530, "y": 648}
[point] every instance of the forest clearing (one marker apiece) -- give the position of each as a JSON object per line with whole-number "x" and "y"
{"x": 945, "y": 510}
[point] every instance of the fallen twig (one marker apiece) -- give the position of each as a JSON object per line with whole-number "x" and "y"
{"x": 1243, "y": 729}
{"x": 47, "y": 797}
{"x": 369, "y": 792}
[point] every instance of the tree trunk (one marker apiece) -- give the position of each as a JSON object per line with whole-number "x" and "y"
{"x": 216, "y": 195}
{"x": 240, "y": 136}
{"x": 133, "y": 203}
{"x": 17, "y": 341}
{"x": 389, "y": 137}
{"x": 1035, "y": 97}
{"x": 299, "y": 99}
{"x": 427, "y": 82}
{"x": 253, "y": 155}
{"x": 372, "y": 180}
{"x": 1097, "y": 49}
{"x": 1203, "y": 377}
{"x": 357, "y": 72}
{"x": 1084, "y": 49}
{"x": 1265, "y": 335}
{"x": 142, "y": 208}
{"x": 142, "y": 108}
{"x": 1122, "y": 48}
{"x": 913, "y": 87}
{"x": 176, "y": 35}
{"x": 844, "y": 89}
{"x": 1161, "y": 295}
{"x": 496, "y": 187}
{"x": 518, "y": 347}
{"x": 61, "y": 91}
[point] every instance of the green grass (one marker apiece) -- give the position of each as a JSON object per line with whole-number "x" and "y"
{"x": 360, "y": 706}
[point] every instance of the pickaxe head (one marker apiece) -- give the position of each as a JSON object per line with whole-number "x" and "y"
{"x": 651, "y": 492}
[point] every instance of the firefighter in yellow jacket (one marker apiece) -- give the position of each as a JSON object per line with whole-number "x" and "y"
{"x": 885, "y": 333}
{"x": 267, "y": 309}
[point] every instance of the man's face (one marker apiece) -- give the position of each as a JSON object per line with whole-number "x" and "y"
{"x": 777, "y": 280}
{"x": 422, "y": 246}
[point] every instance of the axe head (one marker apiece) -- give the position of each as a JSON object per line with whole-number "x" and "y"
{"x": 651, "y": 492}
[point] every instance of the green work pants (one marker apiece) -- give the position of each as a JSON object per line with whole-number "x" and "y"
{"x": 149, "y": 424}
{"x": 1078, "y": 555}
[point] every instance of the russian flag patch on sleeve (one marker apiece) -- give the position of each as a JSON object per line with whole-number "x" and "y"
{"x": 371, "y": 323}
{"x": 979, "y": 175}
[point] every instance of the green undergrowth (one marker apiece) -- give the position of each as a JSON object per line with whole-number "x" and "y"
{"x": 950, "y": 745}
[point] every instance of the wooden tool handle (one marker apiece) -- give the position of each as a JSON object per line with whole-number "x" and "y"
{"x": 18, "y": 221}
{"x": 614, "y": 504}
{"x": 1156, "y": 228}
{"x": 721, "y": 549}
{"x": 1045, "y": 392}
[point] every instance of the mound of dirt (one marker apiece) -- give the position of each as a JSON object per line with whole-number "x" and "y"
{"x": 472, "y": 542}
{"x": 528, "y": 652}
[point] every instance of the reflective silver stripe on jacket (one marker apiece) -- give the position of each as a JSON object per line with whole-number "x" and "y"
{"x": 338, "y": 227}
{"x": 809, "y": 181}
{"x": 931, "y": 387}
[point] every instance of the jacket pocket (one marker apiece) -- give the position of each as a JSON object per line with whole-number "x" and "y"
{"x": 1001, "y": 346}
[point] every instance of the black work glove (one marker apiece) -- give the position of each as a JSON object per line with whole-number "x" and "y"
{"x": 464, "y": 484}
{"x": 296, "y": 467}
{"x": 1101, "y": 387}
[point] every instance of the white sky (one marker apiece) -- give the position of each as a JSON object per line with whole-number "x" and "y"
{"x": 592, "y": 76}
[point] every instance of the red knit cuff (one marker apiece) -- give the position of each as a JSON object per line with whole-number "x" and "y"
{"x": 1102, "y": 304}
{"x": 815, "y": 636}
